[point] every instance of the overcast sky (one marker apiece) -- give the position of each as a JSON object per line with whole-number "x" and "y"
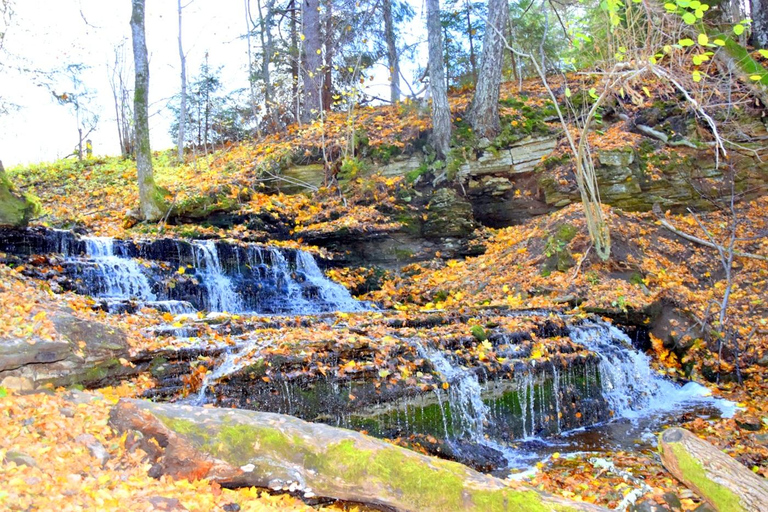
{"x": 45, "y": 34}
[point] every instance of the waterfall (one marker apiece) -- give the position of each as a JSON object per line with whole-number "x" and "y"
{"x": 221, "y": 294}
{"x": 629, "y": 384}
{"x": 118, "y": 277}
{"x": 280, "y": 271}
{"x": 330, "y": 292}
{"x": 468, "y": 412}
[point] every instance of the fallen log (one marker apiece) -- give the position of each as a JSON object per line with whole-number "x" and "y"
{"x": 247, "y": 448}
{"x": 719, "y": 479}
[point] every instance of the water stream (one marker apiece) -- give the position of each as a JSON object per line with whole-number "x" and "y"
{"x": 221, "y": 295}
{"x": 212, "y": 276}
{"x": 521, "y": 417}
{"x": 115, "y": 276}
{"x": 640, "y": 401}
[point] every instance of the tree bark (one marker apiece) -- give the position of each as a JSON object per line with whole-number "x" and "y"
{"x": 295, "y": 62}
{"x": 393, "y": 59}
{"x": 313, "y": 61}
{"x": 151, "y": 203}
{"x": 716, "y": 477}
{"x": 471, "y": 37}
{"x": 183, "y": 94}
{"x": 760, "y": 23}
{"x": 266, "y": 21}
{"x": 484, "y": 113}
{"x": 441, "y": 113}
{"x": 327, "y": 95}
{"x": 247, "y": 448}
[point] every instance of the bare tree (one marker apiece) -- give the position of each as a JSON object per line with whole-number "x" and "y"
{"x": 266, "y": 20}
{"x": 151, "y": 202}
{"x": 183, "y": 93}
{"x": 118, "y": 82}
{"x": 441, "y": 113}
{"x": 78, "y": 98}
{"x": 393, "y": 59}
{"x": 484, "y": 113}
{"x": 312, "y": 61}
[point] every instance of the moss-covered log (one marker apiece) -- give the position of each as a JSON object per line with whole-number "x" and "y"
{"x": 716, "y": 477}
{"x": 248, "y": 448}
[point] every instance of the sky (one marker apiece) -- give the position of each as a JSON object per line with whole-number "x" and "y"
{"x": 46, "y": 34}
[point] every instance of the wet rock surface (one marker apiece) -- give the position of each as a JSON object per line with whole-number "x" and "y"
{"x": 89, "y": 355}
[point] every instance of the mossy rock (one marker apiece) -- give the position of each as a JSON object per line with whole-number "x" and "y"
{"x": 15, "y": 209}
{"x": 448, "y": 215}
{"x": 556, "y": 249}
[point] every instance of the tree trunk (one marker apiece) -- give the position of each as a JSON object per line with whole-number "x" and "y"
{"x": 471, "y": 37}
{"x": 183, "y": 98}
{"x": 239, "y": 448}
{"x": 267, "y": 49}
{"x": 441, "y": 113}
{"x": 760, "y": 23}
{"x": 295, "y": 61}
{"x": 15, "y": 209}
{"x": 151, "y": 202}
{"x": 393, "y": 59}
{"x": 313, "y": 60}
{"x": 484, "y": 113}
{"x": 328, "y": 66}
{"x": 716, "y": 477}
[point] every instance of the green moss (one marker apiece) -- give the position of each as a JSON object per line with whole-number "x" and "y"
{"x": 100, "y": 371}
{"x": 416, "y": 481}
{"x": 411, "y": 176}
{"x": 15, "y": 209}
{"x": 236, "y": 443}
{"x": 503, "y": 500}
{"x": 556, "y": 249}
{"x": 257, "y": 369}
{"x": 478, "y": 332}
{"x": 722, "y": 497}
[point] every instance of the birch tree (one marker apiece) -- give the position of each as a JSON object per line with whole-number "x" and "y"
{"x": 119, "y": 73}
{"x": 151, "y": 203}
{"x": 441, "y": 113}
{"x": 183, "y": 93}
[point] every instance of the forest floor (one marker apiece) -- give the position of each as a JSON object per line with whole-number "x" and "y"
{"x": 545, "y": 263}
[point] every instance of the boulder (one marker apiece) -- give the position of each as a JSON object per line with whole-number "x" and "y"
{"x": 82, "y": 352}
{"x": 448, "y": 215}
{"x": 15, "y": 209}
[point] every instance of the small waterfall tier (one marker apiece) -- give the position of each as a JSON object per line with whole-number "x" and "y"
{"x": 180, "y": 276}
{"x": 477, "y": 408}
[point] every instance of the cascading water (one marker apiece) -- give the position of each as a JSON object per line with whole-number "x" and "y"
{"x": 272, "y": 265}
{"x": 330, "y": 292}
{"x": 217, "y": 276}
{"x": 629, "y": 384}
{"x": 117, "y": 277}
{"x": 221, "y": 295}
{"x": 621, "y": 376}
{"x": 468, "y": 412}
